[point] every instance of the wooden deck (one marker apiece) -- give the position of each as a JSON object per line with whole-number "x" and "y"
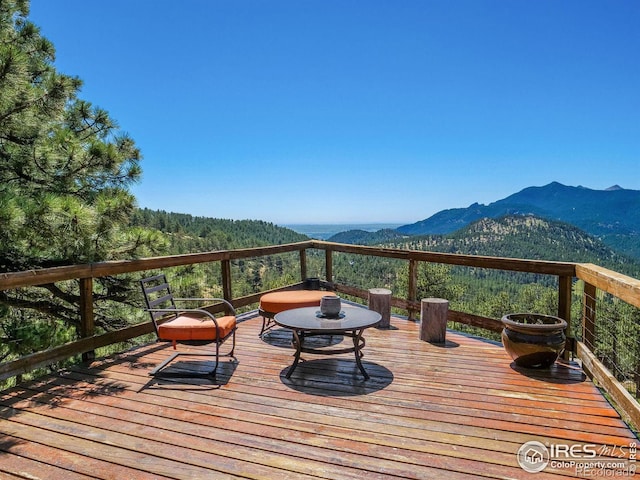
{"x": 460, "y": 411}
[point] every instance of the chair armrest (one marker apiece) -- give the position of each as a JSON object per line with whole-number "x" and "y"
{"x": 215, "y": 299}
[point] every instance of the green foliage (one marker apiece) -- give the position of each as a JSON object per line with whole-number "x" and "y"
{"x": 362, "y": 237}
{"x": 434, "y": 280}
{"x": 189, "y": 233}
{"x": 65, "y": 173}
{"x": 66, "y": 168}
{"x": 514, "y": 236}
{"x": 617, "y": 332}
{"x": 22, "y": 335}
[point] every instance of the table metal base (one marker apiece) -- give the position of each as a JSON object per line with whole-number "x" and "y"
{"x": 355, "y": 335}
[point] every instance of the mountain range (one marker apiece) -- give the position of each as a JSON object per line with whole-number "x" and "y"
{"x": 611, "y": 216}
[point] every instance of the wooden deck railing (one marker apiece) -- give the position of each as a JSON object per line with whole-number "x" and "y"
{"x": 596, "y": 278}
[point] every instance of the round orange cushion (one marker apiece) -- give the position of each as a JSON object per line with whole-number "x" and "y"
{"x": 276, "y": 302}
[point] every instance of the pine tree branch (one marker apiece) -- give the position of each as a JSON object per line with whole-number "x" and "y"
{"x": 69, "y": 316}
{"x": 61, "y": 294}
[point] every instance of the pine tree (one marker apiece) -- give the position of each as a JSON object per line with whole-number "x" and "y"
{"x": 65, "y": 170}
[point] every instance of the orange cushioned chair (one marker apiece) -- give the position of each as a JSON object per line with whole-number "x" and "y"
{"x": 194, "y": 326}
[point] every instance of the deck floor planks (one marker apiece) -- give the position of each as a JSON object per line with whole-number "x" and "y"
{"x": 354, "y": 413}
{"x": 404, "y": 474}
{"x": 435, "y": 375}
{"x": 508, "y": 418}
{"x": 427, "y": 412}
{"x": 338, "y": 431}
{"x": 308, "y": 434}
{"x": 19, "y": 462}
{"x": 287, "y": 453}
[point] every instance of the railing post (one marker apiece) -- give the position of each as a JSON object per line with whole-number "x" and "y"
{"x": 303, "y": 265}
{"x": 328, "y": 263}
{"x": 564, "y": 311}
{"x": 589, "y": 316}
{"x": 226, "y": 280}
{"x": 87, "y": 323}
{"x": 412, "y": 294}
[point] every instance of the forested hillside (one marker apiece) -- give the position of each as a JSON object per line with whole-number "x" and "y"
{"x": 534, "y": 238}
{"x": 362, "y": 237}
{"x": 613, "y": 215}
{"x": 512, "y": 236}
{"x": 187, "y": 234}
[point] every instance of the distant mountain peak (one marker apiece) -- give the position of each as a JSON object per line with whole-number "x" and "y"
{"x": 613, "y": 215}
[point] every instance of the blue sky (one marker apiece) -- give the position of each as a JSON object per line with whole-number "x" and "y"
{"x": 345, "y": 111}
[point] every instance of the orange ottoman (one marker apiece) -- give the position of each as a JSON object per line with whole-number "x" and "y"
{"x": 276, "y": 302}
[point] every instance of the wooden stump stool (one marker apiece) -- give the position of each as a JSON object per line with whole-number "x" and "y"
{"x": 380, "y": 301}
{"x": 433, "y": 320}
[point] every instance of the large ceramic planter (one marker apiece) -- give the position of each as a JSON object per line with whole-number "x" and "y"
{"x": 533, "y": 340}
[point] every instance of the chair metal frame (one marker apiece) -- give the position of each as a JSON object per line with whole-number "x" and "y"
{"x": 160, "y": 315}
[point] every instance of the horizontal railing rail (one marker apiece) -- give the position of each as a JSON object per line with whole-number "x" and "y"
{"x": 595, "y": 278}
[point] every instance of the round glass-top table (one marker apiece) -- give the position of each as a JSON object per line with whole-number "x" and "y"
{"x": 308, "y": 321}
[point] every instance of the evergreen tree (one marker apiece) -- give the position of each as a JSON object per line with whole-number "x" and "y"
{"x": 65, "y": 169}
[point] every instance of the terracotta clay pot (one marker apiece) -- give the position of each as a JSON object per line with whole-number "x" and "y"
{"x": 533, "y": 340}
